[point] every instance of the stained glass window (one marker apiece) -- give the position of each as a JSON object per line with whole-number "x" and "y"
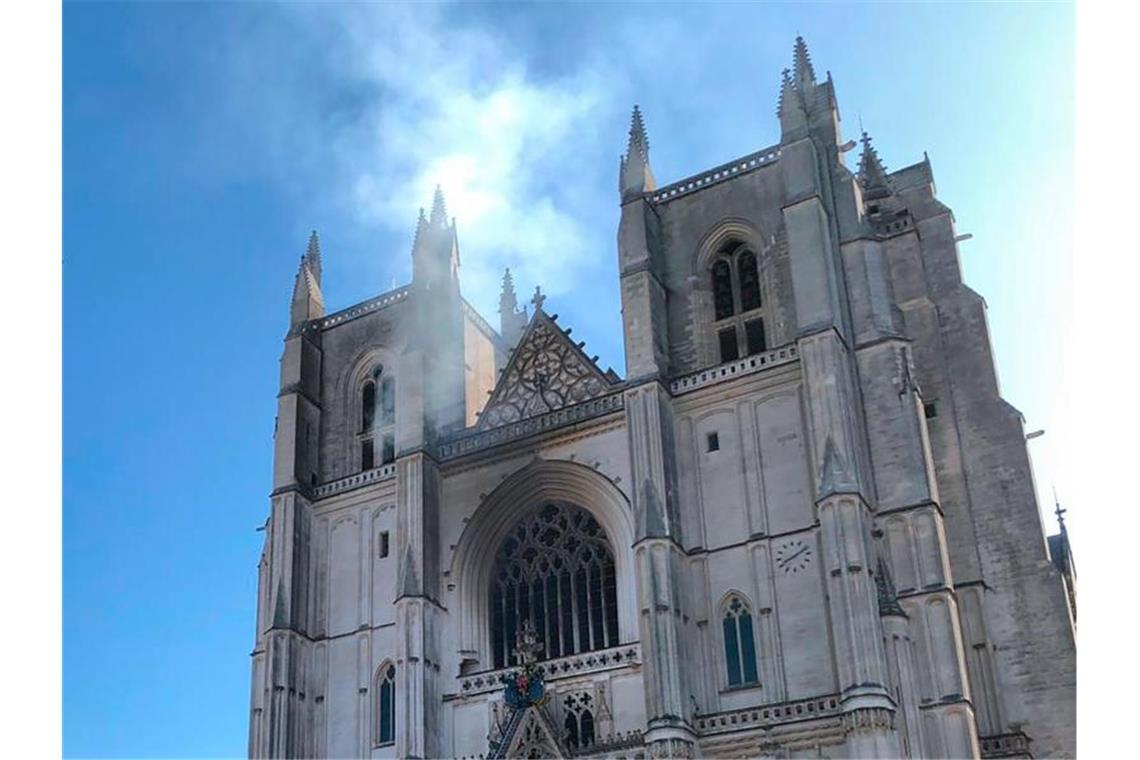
{"x": 739, "y": 643}
{"x": 555, "y": 568}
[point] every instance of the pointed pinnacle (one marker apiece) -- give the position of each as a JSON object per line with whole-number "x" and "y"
{"x": 313, "y": 255}
{"x": 805, "y": 74}
{"x": 637, "y": 137}
{"x": 872, "y": 173}
{"x": 438, "y": 207}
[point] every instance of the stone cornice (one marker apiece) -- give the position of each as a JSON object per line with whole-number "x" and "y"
{"x": 716, "y": 175}
{"x": 768, "y": 715}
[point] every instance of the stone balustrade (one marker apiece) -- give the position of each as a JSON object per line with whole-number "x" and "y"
{"x": 357, "y": 480}
{"x": 1015, "y": 744}
{"x": 767, "y": 715}
{"x": 718, "y": 174}
{"x": 559, "y": 668}
{"x": 733, "y": 369}
{"x": 468, "y": 441}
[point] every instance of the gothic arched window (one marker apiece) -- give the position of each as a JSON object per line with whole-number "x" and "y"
{"x": 738, "y": 304}
{"x": 385, "y": 700}
{"x": 739, "y": 643}
{"x": 555, "y": 569}
{"x": 377, "y": 419}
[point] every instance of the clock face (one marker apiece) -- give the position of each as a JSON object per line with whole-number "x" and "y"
{"x": 793, "y": 556}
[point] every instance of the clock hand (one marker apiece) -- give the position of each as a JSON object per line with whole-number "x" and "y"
{"x": 798, "y": 553}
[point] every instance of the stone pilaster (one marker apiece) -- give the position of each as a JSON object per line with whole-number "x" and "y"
{"x": 663, "y": 610}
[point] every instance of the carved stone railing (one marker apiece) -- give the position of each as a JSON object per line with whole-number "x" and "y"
{"x": 717, "y": 174}
{"x": 733, "y": 369}
{"x": 1015, "y": 744}
{"x": 359, "y": 480}
{"x": 468, "y": 441}
{"x": 367, "y": 307}
{"x": 768, "y": 715}
{"x": 611, "y": 743}
{"x": 558, "y": 669}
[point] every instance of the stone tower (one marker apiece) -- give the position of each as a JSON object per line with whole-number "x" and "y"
{"x": 803, "y": 523}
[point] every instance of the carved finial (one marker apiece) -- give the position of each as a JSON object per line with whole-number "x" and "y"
{"x": 805, "y": 74}
{"x": 539, "y": 298}
{"x": 1060, "y": 513}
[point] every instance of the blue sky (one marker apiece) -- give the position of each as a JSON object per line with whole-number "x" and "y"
{"x": 203, "y": 142}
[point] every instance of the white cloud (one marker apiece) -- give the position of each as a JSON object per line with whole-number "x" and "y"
{"x": 456, "y": 105}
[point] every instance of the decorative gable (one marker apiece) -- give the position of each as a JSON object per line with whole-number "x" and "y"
{"x": 547, "y": 371}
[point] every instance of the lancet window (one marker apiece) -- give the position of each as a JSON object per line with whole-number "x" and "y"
{"x": 739, "y": 643}
{"x": 377, "y": 434}
{"x": 738, "y": 303}
{"x": 385, "y": 701}
{"x": 555, "y": 568}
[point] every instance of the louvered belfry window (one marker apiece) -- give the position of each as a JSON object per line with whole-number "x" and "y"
{"x": 556, "y": 569}
{"x": 738, "y": 304}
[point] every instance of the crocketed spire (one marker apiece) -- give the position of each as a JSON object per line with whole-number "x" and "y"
{"x": 635, "y": 176}
{"x": 313, "y": 256}
{"x": 888, "y": 599}
{"x": 438, "y": 208}
{"x": 638, "y": 140}
{"x": 872, "y": 174}
{"x": 805, "y": 74}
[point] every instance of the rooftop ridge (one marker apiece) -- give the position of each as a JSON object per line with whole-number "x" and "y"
{"x": 717, "y": 174}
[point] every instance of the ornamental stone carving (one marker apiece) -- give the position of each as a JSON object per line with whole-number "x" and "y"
{"x": 546, "y": 372}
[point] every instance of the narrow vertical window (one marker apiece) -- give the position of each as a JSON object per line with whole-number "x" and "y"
{"x": 749, "y": 281}
{"x": 367, "y": 461}
{"x": 728, "y": 347}
{"x": 386, "y": 705}
{"x": 388, "y": 454}
{"x": 754, "y": 331}
{"x": 368, "y": 406}
{"x": 739, "y": 644}
{"x": 382, "y": 544}
{"x": 388, "y": 401}
{"x": 722, "y": 289}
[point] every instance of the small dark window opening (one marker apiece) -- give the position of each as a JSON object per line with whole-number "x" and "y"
{"x": 722, "y": 289}
{"x": 713, "y": 440}
{"x": 388, "y": 453}
{"x": 368, "y": 405}
{"x": 383, "y": 544}
{"x": 749, "y": 282}
{"x": 728, "y": 348}
{"x": 388, "y": 401}
{"x": 873, "y": 209}
{"x": 367, "y": 461}
{"x": 930, "y": 410}
{"x": 754, "y": 330}
{"x": 312, "y": 478}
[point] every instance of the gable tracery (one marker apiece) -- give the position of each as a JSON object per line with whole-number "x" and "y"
{"x": 546, "y": 372}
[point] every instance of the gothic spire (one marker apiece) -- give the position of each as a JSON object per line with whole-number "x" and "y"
{"x": 635, "y": 174}
{"x": 805, "y": 74}
{"x": 438, "y": 209}
{"x": 638, "y": 140}
{"x": 313, "y": 256}
{"x": 872, "y": 174}
{"x": 307, "y": 302}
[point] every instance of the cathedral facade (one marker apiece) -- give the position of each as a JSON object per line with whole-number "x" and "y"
{"x": 802, "y": 522}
